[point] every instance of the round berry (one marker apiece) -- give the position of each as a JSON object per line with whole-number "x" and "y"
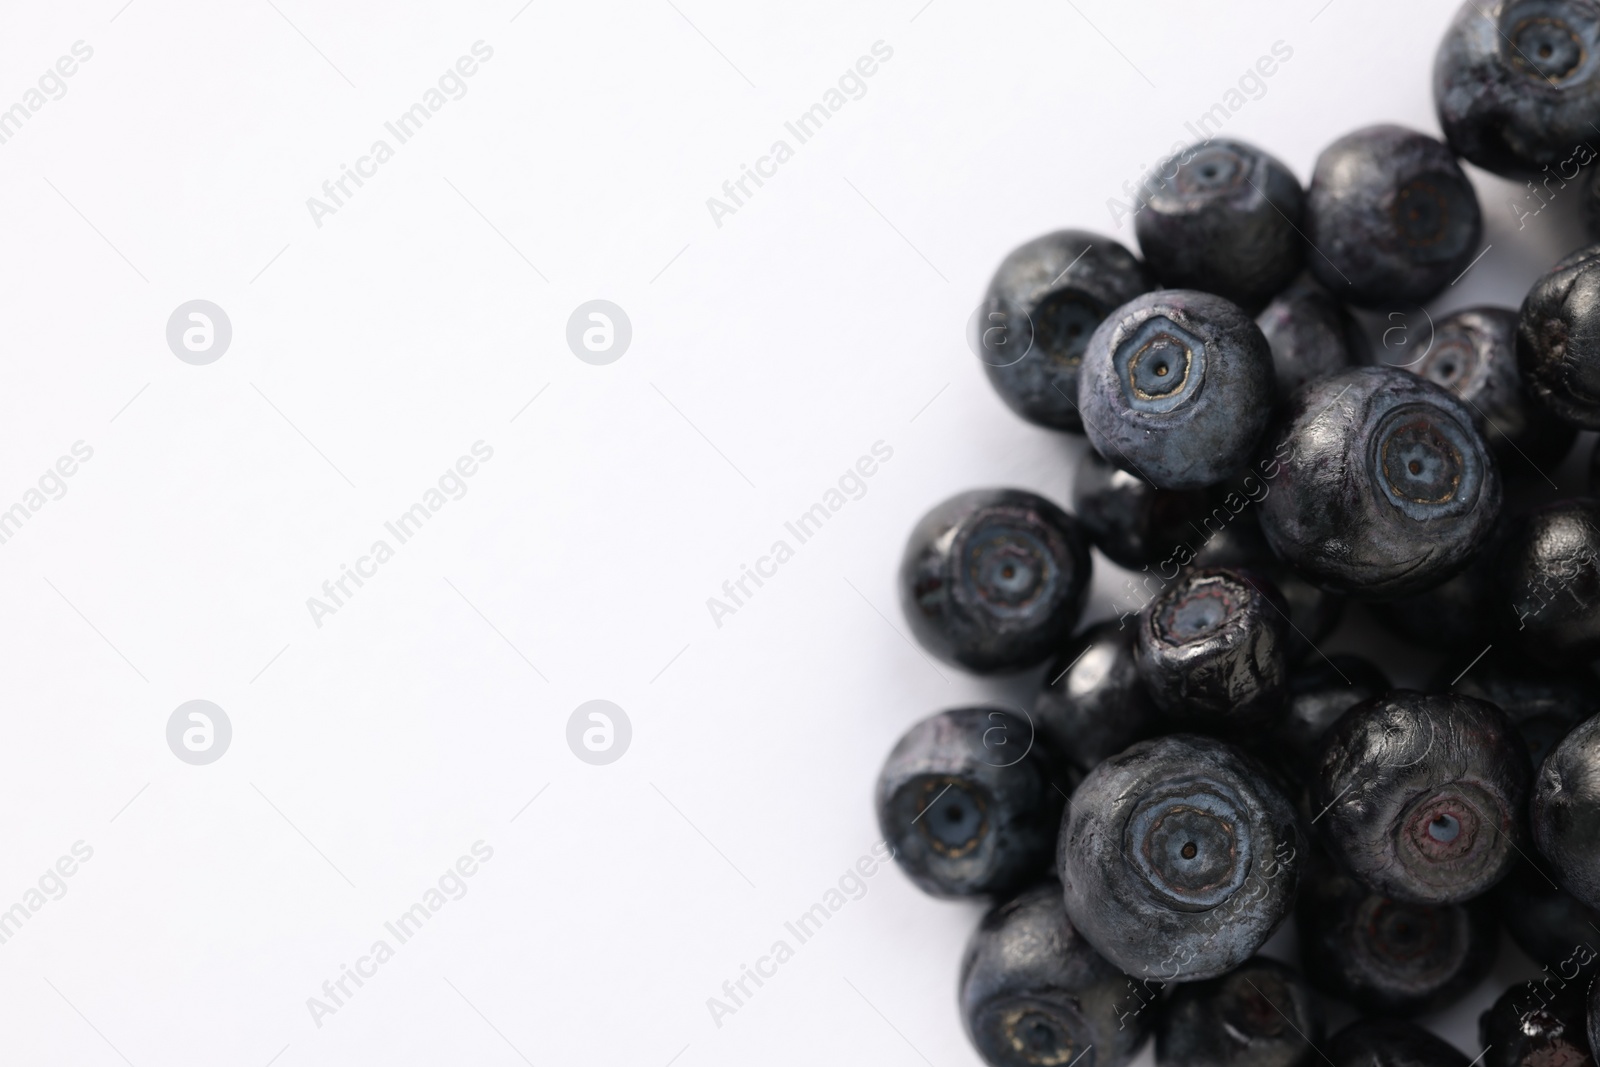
{"x": 1565, "y": 812}
{"x": 1558, "y": 339}
{"x": 1261, "y": 1015}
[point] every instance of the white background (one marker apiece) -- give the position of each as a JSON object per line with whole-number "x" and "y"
{"x": 369, "y": 353}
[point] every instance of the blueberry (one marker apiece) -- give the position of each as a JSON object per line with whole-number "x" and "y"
{"x": 1223, "y": 217}
{"x": 966, "y": 801}
{"x": 1543, "y": 703}
{"x": 1531, "y": 1025}
{"x": 1565, "y": 812}
{"x": 1319, "y": 694}
{"x": 1550, "y": 571}
{"x": 1178, "y": 858}
{"x": 1093, "y": 703}
{"x": 1312, "y": 335}
{"x": 1034, "y": 992}
{"x": 1314, "y": 612}
{"x": 1391, "y": 217}
{"x": 1463, "y": 612}
{"x": 1176, "y": 388}
{"x": 1548, "y": 923}
{"x": 1381, "y": 484}
{"x": 994, "y": 579}
{"x": 1390, "y": 1043}
{"x": 1474, "y": 356}
{"x": 1419, "y": 796}
{"x": 1126, "y": 517}
{"x": 1045, "y": 300}
{"x": 1261, "y": 1015}
{"x": 1515, "y": 83}
{"x": 1388, "y": 957}
{"x": 1558, "y": 339}
{"x": 1212, "y": 650}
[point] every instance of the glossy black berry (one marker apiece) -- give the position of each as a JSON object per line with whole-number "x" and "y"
{"x": 1390, "y": 1043}
{"x": 1044, "y": 302}
{"x": 965, "y": 799}
{"x": 1565, "y": 812}
{"x": 1319, "y": 694}
{"x": 1534, "y": 1025}
{"x": 1126, "y": 517}
{"x": 1223, "y": 217}
{"x": 1550, "y": 573}
{"x": 994, "y": 579}
{"x": 1381, "y": 484}
{"x": 1474, "y": 356}
{"x": 1177, "y": 387}
{"x": 1093, "y": 703}
{"x": 1178, "y": 858}
{"x": 1558, "y": 339}
{"x": 1233, "y": 538}
{"x": 1388, "y": 957}
{"x": 1034, "y": 992}
{"x": 1261, "y": 1015}
{"x": 1212, "y": 650}
{"x": 1543, "y": 703}
{"x": 1549, "y": 924}
{"x": 1391, "y": 217}
{"x": 1515, "y": 83}
{"x": 1311, "y": 334}
{"x": 1419, "y": 796}
{"x": 1462, "y": 612}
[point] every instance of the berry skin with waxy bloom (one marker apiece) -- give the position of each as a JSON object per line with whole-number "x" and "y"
{"x": 1178, "y": 858}
{"x": 1312, "y": 335}
{"x": 1177, "y": 388}
{"x": 1044, "y": 302}
{"x": 1558, "y": 339}
{"x": 1223, "y": 217}
{"x": 1386, "y": 487}
{"x": 1034, "y": 992}
{"x": 1391, "y": 216}
{"x": 1565, "y": 812}
{"x": 1261, "y": 1015}
{"x": 1212, "y": 651}
{"x": 965, "y": 800}
{"x": 1093, "y": 703}
{"x": 1550, "y": 575}
{"x": 1131, "y": 521}
{"x": 1420, "y": 795}
{"x": 994, "y": 580}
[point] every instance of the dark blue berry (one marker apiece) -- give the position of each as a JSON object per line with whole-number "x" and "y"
{"x": 1223, "y": 217}
{"x": 1543, "y": 703}
{"x": 1550, "y": 573}
{"x": 1176, "y": 388}
{"x": 1419, "y": 796}
{"x": 1179, "y": 858}
{"x": 966, "y": 802}
{"x": 1127, "y": 518}
{"x": 1319, "y": 694}
{"x": 1531, "y": 1025}
{"x": 1381, "y": 484}
{"x": 1044, "y": 302}
{"x": 1463, "y": 612}
{"x": 1388, "y": 957}
{"x": 1516, "y": 84}
{"x": 1558, "y": 339}
{"x": 1390, "y": 1043}
{"x": 1212, "y": 650}
{"x": 994, "y": 579}
{"x": 1093, "y": 703}
{"x": 1312, "y": 335}
{"x": 1565, "y": 812}
{"x": 1261, "y": 1015}
{"x": 1391, "y": 217}
{"x": 1034, "y": 992}
{"x": 1474, "y": 356}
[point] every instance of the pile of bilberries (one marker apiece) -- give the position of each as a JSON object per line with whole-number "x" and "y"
{"x": 1197, "y": 770}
